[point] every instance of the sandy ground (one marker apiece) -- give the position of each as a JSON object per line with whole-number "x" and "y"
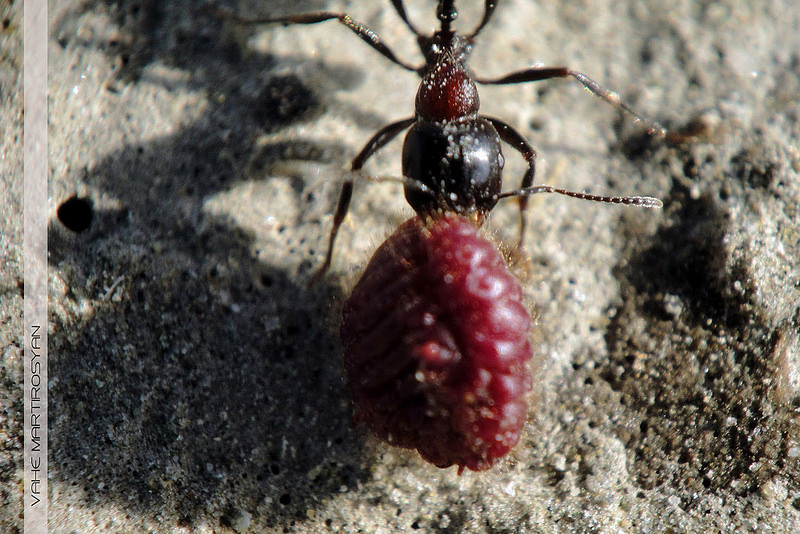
{"x": 196, "y": 384}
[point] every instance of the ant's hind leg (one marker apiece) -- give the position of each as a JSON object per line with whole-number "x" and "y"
{"x": 378, "y": 141}
{"x": 536, "y": 74}
{"x": 448, "y": 12}
{"x": 488, "y": 9}
{"x": 401, "y": 11}
{"x": 520, "y": 144}
{"x": 366, "y": 34}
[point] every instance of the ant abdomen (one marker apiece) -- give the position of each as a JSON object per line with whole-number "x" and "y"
{"x": 459, "y": 163}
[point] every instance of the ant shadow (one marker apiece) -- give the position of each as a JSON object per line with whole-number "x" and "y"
{"x": 713, "y": 413}
{"x": 192, "y": 379}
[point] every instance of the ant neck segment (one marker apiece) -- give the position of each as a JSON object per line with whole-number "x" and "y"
{"x": 447, "y": 14}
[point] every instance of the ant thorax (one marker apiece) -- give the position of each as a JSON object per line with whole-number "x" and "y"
{"x": 447, "y": 92}
{"x": 460, "y": 47}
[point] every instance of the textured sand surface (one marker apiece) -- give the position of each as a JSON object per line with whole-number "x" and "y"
{"x": 196, "y": 384}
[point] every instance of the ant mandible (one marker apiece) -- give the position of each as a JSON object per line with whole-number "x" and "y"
{"x": 452, "y": 161}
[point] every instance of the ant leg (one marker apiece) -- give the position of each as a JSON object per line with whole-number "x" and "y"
{"x": 378, "y": 141}
{"x": 536, "y": 74}
{"x": 401, "y": 10}
{"x": 366, "y": 34}
{"x": 520, "y": 144}
{"x": 488, "y": 10}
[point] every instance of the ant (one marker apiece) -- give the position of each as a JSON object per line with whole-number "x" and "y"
{"x": 452, "y": 159}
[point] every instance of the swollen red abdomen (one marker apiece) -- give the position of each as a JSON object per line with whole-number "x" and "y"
{"x": 436, "y": 340}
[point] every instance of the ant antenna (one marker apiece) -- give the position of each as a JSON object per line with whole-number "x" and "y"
{"x": 641, "y": 202}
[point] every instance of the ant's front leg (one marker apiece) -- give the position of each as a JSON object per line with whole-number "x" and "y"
{"x": 536, "y": 74}
{"x": 520, "y": 144}
{"x": 378, "y": 141}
